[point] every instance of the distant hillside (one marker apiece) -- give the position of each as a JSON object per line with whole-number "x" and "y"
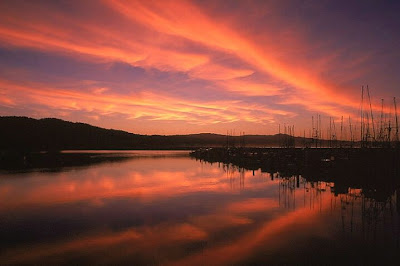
{"x": 23, "y": 133}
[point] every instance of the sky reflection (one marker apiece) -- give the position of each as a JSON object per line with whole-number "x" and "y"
{"x": 175, "y": 210}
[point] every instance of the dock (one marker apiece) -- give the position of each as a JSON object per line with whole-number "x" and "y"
{"x": 365, "y": 168}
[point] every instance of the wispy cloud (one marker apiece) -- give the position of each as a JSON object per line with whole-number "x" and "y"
{"x": 282, "y": 64}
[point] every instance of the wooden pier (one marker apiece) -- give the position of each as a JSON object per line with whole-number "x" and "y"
{"x": 347, "y": 167}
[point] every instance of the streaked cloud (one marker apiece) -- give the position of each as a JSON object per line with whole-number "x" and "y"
{"x": 170, "y": 57}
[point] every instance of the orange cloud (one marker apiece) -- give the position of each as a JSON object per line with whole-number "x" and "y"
{"x": 249, "y": 88}
{"x": 143, "y": 105}
{"x": 183, "y": 37}
{"x": 215, "y": 72}
{"x": 186, "y": 20}
{"x": 310, "y": 91}
{"x": 112, "y": 44}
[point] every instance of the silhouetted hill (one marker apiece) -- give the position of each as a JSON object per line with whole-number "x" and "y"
{"x": 54, "y": 134}
{"x": 23, "y": 133}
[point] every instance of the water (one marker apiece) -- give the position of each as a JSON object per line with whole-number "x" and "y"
{"x": 166, "y": 208}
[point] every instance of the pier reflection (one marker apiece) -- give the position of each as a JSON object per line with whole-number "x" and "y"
{"x": 366, "y": 208}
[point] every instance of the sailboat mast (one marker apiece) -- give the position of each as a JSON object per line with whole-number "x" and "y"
{"x": 397, "y": 122}
{"x": 320, "y": 129}
{"x": 351, "y": 133}
{"x": 341, "y": 131}
{"x": 381, "y": 130}
{"x": 372, "y": 116}
{"x": 362, "y": 116}
{"x": 330, "y": 132}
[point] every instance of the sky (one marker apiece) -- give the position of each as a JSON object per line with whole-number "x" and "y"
{"x": 182, "y": 67}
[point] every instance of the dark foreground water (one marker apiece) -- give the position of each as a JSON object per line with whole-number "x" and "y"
{"x": 167, "y": 208}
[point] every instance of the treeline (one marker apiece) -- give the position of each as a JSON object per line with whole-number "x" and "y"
{"x": 50, "y": 134}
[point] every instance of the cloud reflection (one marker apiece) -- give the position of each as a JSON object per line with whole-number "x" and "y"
{"x": 222, "y": 216}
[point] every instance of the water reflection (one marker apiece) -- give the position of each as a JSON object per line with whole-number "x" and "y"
{"x": 175, "y": 210}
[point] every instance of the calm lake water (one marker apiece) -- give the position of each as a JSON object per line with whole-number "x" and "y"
{"x": 166, "y": 208}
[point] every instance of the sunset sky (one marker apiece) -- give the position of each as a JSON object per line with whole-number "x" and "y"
{"x": 179, "y": 67}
